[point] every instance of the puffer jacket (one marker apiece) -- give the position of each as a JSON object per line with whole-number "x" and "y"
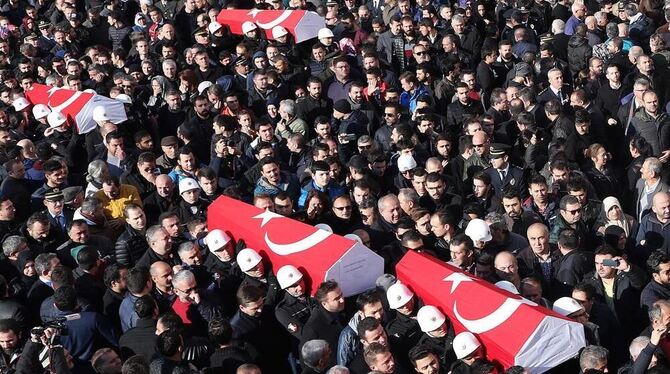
{"x": 130, "y": 247}
{"x": 656, "y": 131}
{"x": 579, "y": 53}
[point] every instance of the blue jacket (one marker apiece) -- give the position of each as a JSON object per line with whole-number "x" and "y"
{"x": 655, "y": 234}
{"x": 82, "y": 332}
{"x": 127, "y": 312}
{"x": 332, "y": 190}
{"x": 409, "y": 100}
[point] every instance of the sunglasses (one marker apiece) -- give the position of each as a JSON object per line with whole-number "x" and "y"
{"x": 341, "y": 208}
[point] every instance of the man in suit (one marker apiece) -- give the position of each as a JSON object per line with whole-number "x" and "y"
{"x": 502, "y": 173}
{"x": 42, "y": 288}
{"x": 556, "y": 89}
{"x": 58, "y": 217}
{"x": 649, "y": 184}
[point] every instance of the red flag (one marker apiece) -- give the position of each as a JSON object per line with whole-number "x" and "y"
{"x": 77, "y": 106}
{"x": 320, "y": 255}
{"x": 302, "y": 24}
{"x": 515, "y": 331}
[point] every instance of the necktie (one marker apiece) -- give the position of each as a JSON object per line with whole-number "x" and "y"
{"x": 503, "y": 174}
{"x": 560, "y": 96}
{"x": 61, "y": 222}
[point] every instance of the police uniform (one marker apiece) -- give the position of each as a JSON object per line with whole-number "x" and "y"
{"x": 268, "y": 284}
{"x": 513, "y": 178}
{"x": 405, "y": 329}
{"x": 292, "y": 313}
{"x": 442, "y": 346}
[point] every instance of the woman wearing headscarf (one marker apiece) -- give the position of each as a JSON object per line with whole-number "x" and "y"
{"x": 613, "y": 215}
{"x": 25, "y": 264}
{"x": 159, "y": 87}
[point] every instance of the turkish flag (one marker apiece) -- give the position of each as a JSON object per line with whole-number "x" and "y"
{"x": 515, "y": 331}
{"x": 320, "y": 255}
{"x": 77, "y": 106}
{"x": 302, "y": 24}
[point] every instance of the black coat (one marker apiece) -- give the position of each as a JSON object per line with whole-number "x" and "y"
{"x": 325, "y": 325}
{"x": 139, "y": 340}
{"x": 570, "y": 269}
{"x": 130, "y": 247}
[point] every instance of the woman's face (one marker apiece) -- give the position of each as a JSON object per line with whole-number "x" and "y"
{"x": 29, "y": 269}
{"x": 614, "y": 213}
{"x": 601, "y": 157}
{"x": 156, "y": 87}
{"x": 272, "y": 110}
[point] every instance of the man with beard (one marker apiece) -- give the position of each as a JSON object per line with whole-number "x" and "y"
{"x": 483, "y": 193}
{"x": 256, "y": 274}
{"x": 438, "y": 198}
{"x": 10, "y": 345}
{"x": 326, "y": 321}
{"x": 172, "y": 115}
{"x": 520, "y": 219}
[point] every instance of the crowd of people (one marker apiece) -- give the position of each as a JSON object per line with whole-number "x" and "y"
{"x": 525, "y": 142}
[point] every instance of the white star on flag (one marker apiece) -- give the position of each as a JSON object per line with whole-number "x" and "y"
{"x": 456, "y": 279}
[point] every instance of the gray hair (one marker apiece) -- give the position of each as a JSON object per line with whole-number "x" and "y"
{"x": 458, "y": 17}
{"x": 656, "y": 310}
{"x": 185, "y": 246}
{"x": 287, "y": 106}
{"x": 654, "y": 165}
{"x": 637, "y": 345}
{"x": 96, "y": 169}
{"x": 182, "y": 276}
{"x": 496, "y": 221}
{"x": 577, "y": 6}
{"x": 338, "y": 369}
{"x": 90, "y": 205}
{"x": 169, "y": 62}
{"x": 408, "y": 194}
{"x": 600, "y": 15}
{"x": 642, "y": 82}
{"x": 12, "y": 244}
{"x": 592, "y": 356}
{"x": 43, "y": 262}
{"x": 384, "y": 199}
{"x": 153, "y": 230}
{"x": 557, "y": 26}
{"x": 313, "y": 351}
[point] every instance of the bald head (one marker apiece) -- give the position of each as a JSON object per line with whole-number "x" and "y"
{"x": 661, "y": 206}
{"x": 479, "y": 137}
{"x": 433, "y": 165}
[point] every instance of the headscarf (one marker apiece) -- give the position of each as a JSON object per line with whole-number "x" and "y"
{"x": 23, "y": 258}
{"x": 609, "y": 203}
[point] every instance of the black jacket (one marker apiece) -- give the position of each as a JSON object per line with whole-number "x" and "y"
{"x": 325, "y": 325}
{"x": 130, "y": 247}
{"x": 570, "y": 269}
{"x": 140, "y": 340}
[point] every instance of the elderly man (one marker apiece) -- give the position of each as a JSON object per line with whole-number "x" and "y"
{"x": 160, "y": 247}
{"x": 507, "y": 268}
{"x": 289, "y": 122}
{"x": 162, "y": 199}
{"x": 316, "y": 356}
{"x": 193, "y": 309}
{"x": 593, "y": 357}
{"x": 577, "y": 18}
{"x": 649, "y": 184}
{"x": 654, "y": 231}
{"x": 539, "y": 259}
{"x": 389, "y": 215}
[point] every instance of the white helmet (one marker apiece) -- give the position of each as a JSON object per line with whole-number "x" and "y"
{"x": 100, "y": 114}
{"x": 278, "y": 32}
{"x": 56, "y": 119}
{"x": 478, "y": 230}
{"x": 465, "y": 344}
{"x": 287, "y": 276}
{"x": 204, "y": 85}
{"x": 216, "y": 239}
{"x": 430, "y": 318}
{"x": 324, "y": 227}
{"x": 507, "y": 286}
{"x": 20, "y": 103}
{"x": 398, "y": 295}
{"x": 566, "y": 306}
{"x": 124, "y": 99}
{"x": 354, "y": 237}
{"x": 247, "y": 259}
{"x": 188, "y": 184}
{"x": 248, "y": 27}
{"x": 325, "y": 33}
{"x": 41, "y": 111}
{"x": 214, "y": 27}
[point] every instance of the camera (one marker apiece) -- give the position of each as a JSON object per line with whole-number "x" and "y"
{"x": 57, "y": 323}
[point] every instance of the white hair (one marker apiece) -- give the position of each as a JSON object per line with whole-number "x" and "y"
{"x": 183, "y": 276}
{"x": 557, "y": 26}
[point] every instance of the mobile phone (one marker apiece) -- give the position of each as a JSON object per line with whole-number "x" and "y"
{"x": 350, "y": 137}
{"x": 610, "y": 262}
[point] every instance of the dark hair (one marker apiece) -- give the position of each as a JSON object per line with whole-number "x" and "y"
{"x": 568, "y": 238}
{"x": 248, "y": 293}
{"x": 62, "y": 275}
{"x": 420, "y": 352}
{"x": 168, "y": 342}
{"x": 145, "y": 306}
{"x": 113, "y": 135}
{"x": 367, "y": 298}
{"x": 10, "y": 324}
{"x": 65, "y": 298}
{"x": 462, "y": 239}
{"x": 655, "y": 260}
{"x": 587, "y": 288}
{"x": 367, "y": 324}
{"x": 567, "y": 200}
{"x": 219, "y": 330}
{"x": 135, "y": 365}
{"x": 606, "y": 249}
{"x": 137, "y": 279}
{"x": 325, "y": 288}
{"x": 87, "y": 258}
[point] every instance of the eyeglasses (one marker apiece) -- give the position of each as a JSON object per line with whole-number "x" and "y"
{"x": 187, "y": 291}
{"x": 126, "y": 86}
{"x": 478, "y": 145}
{"x": 365, "y": 146}
{"x": 420, "y": 53}
{"x": 341, "y": 208}
{"x": 574, "y": 211}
